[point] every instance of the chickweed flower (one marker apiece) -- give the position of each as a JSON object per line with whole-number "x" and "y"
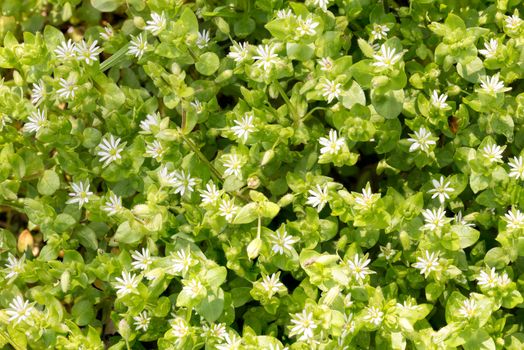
{"x": 365, "y": 199}
{"x": 422, "y": 139}
{"x": 151, "y": 121}
{"x": 434, "y": 218}
{"x": 155, "y": 150}
{"x": 14, "y": 266}
{"x": 283, "y": 14}
{"x": 468, "y": 308}
{"x": 202, "y": 39}
{"x": 80, "y": 193}
{"x": 489, "y": 279}
{"x": 227, "y": 209}
{"x": 233, "y": 164}
{"x": 266, "y": 57}
{"x": 491, "y": 47}
{"x": 141, "y": 260}
{"x": 374, "y": 315}
{"x": 332, "y": 144}
{"x": 323, "y": 4}
{"x": 387, "y": 57}
{"x": 19, "y": 310}
{"x": 67, "y": 88}
{"x": 281, "y": 241}
{"x": 183, "y": 183}
{"x": 142, "y": 321}
{"x": 239, "y": 52}
{"x": 182, "y": 261}
{"x": 37, "y": 121}
{"x": 110, "y": 150}
{"x": 66, "y": 50}
{"x": 87, "y": 53}
{"x": 107, "y": 33}
{"x": 113, "y": 205}
{"x": 493, "y": 153}
{"x": 441, "y": 189}
{"x": 492, "y": 85}
{"x": 211, "y": 194}
{"x": 318, "y": 197}
{"x": 325, "y": 63}
{"x": 439, "y": 101}
{"x": 244, "y": 127}
{"x": 330, "y": 90}
{"x": 303, "y": 326}
{"x": 428, "y": 263}
{"x": 358, "y": 267}
{"x": 38, "y": 93}
{"x": 513, "y": 22}
{"x": 514, "y": 219}
{"x": 459, "y": 220}
{"x": 127, "y": 283}
{"x": 137, "y": 46}
{"x": 271, "y": 284}
{"x": 379, "y": 32}
{"x": 516, "y": 168}
{"x": 157, "y": 23}
{"x": 306, "y": 27}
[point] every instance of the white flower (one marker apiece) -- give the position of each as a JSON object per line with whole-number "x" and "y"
{"x": 37, "y": 120}
{"x": 441, "y": 189}
{"x": 427, "y": 264}
{"x": 110, "y": 150}
{"x": 182, "y": 261}
{"x": 365, "y": 199}
{"x": 468, "y": 308}
{"x": 330, "y": 89}
{"x": 439, "y": 101}
{"x": 281, "y": 241}
{"x": 228, "y": 209}
{"x": 193, "y": 286}
{"x": 211, "y": 195}
{"x": 19, "y": 310}
{"x": 202, "y": 39}
{"x": 421, "y": 140}
{"x": 303, "y": 326}
{"x": 157, "y": 23}
{"x": 325, "y": 63}
{"x": 244, "y": 126}
{"x": 142, "y": 321}
{"x": 137, "y": 46}
{"x": 379, "y": 32}
{"x": 459, "y": 220}
{"x": 183, "y": 183}
{"x": 517, "y": 168}
{"x": 387, "y": 57}
{"x": 152, "y": 120}
{"x": 179, "y": 327}
{"x": 306, "y": 27}
{"x": 67, "y": 88}
{"x": 239, "y": 51}
{"x": 513, "y": 22}
{"x": 80, "y": 193}
{"x": 493, "y": 153}
{"x": 217, "y": 330}
{"x": 374, "y": 315}
{"x": 141, "y": 260}
{"x": 318, "y": 198}
{"x": 323, "y": 4}
{"x": 332, "y": 144}
{"x": 271, "y": 284}
{"x": 283, "y": 14}
{"x": 489, "y": 279}
{"x": 514, "y": 219}
{"x": 197, "y": 105}
{"x": 504, "y": 280}
{"x": 66, "y": 50}
{"x": 4, "y": 119}
{"x": 86, "y": 53}
{"x": 231, "y": 342}
{"x": 107, "y": 34}
{"x": 165, "y": 177}
{"x": 434, "y": 218}
{"x": 233, "y": 164}
{"x": 154, "y": 150}
{"x": 14, "y": 266}
{"x": 492, "y": 85}
{"x": 491, "y": 48}
{"x": 38, "y": 92}
{"x": 358, "y": 267}
{"x": 113, "y": 205}
{"x": 387, "y": 251}
{"x": 266, "y": 57}
{"x": 127, "y": 283}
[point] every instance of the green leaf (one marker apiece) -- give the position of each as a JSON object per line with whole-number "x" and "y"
{"x": 248, "y": 213}
{"x": 388, "y": 105}
{"x": 49, "y": 183}
{"x": 125, "y": 234}
{"x": 211, "y": 306}
{"x": 300, "y": 52}
{"x": 353, "y": 95}
{"x": 467, "y": 235}
{"x": 87, "y": 237}
{"x": 207, "y": 63}
{"x": 497, "y": 258}
{"x": 106, "y": 5}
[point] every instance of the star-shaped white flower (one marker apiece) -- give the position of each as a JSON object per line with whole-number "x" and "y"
{"x": 67, "y": 88}
{"x": 87, "y": 53}
{"x": 266, "y": 57}
{"x": 211, "y": 194}
{"x": 202, "y": 39}
{"x": 306, "y": 27}
{"x": 516, "y": 168}
{"x": 468, "y": 308}
{"x": 19, "y": 310}
{"x": 358, "y": 267}
{"x": 513, "y": 22}
{"x": 233, "y": 164}
{"x": 142, "y": 321}
{"x": 14, "y": 266}
{"x": 374, "y": 315}
{"x": 38, "y": 92}
{"x": 66, "y": 50}
{"x": 80, "y": 193}
{"x": 137, "y": 46}
{"x": 379, "y": 32}
{"x": 331, "y": 144}
{"x": 113, "y": 205}
{"x": 127, "y": 283}
{"x": 491, "y": 47}
{"x": 514, "y": 219}
{"x": 489, "y": 279}
{"x": 325, "y": 63}
{"x": 157, "y": 23}
{"x": 281, "y": 241}
{"x": 387, "y": 57}
{"x": 439, "y": 101}
{"x": 141, "y": 260}
{"x": 434, "y": 218}
{"x": 244, "y": 126}
{"x": 37, "y": 121}
{"x": 155, "y": 150}
{"x": 183, "y": 183}
{"x": 227, "y": 209}
{"x": 239, "y": 52}
{"x": 110, "y": 149}
{"x": 318, "y": 197}
{"x": 493, "y": 153}
{"x": 330, "y": 89}
{"x": 151, "y": 122}
{"x": 428, "y": 263}
{"x": 182, "y": 261}
{"x": 271, "y": 284}
{"x": 422, "y": 139}
{"x": 441, "y": 189}
{"x": 303, "y": 326}
{"x": 492, "y": 85}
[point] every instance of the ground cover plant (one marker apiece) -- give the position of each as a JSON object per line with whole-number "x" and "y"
{"x": 327, "y": 174}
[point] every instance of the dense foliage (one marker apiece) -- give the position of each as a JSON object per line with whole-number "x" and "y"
{"x": 327, "y": 174}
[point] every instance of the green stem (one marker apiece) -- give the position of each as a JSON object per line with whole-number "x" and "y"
{"x": 290, "y": 106}
{"x": 311, "y": 112}
{"x": 114, "y": 60}
{"x": 202, "y": 157}
{"x": 6, "y": 338}
{"x": 259, "y": 228}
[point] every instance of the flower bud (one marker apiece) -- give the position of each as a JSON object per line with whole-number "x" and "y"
{"x": 330, "y": 296}
{"x": 267, "y": 157}
{"x": 65, "y": 281}
{"x": 124, "y": 329}
{"x": 253, "y": 182}
{"x": 286, "y": 200}
{"x": 253, "y": 249}
{"x": 25, "y": 241}
{"x": 139, "y": 22}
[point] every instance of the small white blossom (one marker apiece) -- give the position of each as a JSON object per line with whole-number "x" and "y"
{"x": 211, "y": 194}
{"x": 202, "y": 39}
{"x": 387, "y": 252}
{"x": 387, "y": 57}
{"x": 325, "y": 63}
{"x": 468, "y": 308}
{"x": 459, "y": 220}
{"x": 318, "y": 198}
{"x": 379, "y": 32}
{"x": 504, "y": 280}
{"x": 108, "y": 33}
{"x": 516, "y": 168}
{"x": 197, "y": 105}
{"x": 113, "y": 206}
{"x": 233, "y": 164}
{"x": 306, "y": 27}
{"x": 358, "y": 267}
{"x": 244, "y": 126}
{"x": 38, "y": 92}
{"x": 110, "y": 150}
{"x": 281, "y": 241}
{"x": 365, "y": 199}
{"x": 271, "y": 284}
{"x": 141, "y": 260}
{"x": 303, "y": 326}
{"x": 227, "y": 209}
{"x": 434, "y": 218}
{"x": 514, "y": 219}
{"x": 157, "y": 23}
{"x": 283, "y": 14}
{"x": 491, "y": 47}
{"x": 37, "y": 121}
{"x": 323, "y": 4}
{"x": 87, "y": 53}
{"x": 439, "y": 101}
{"x": 489, "y": 279}
{"x": 239, "y": 52}
{"x": 332, "y": 144}
{"x": 374, "y": 315}
{"x": 428, "y": 263}
{"x": 492, "y": 85}
{"x": 67, "y": 88}
{"x": 127, "y": 283}
{"x": 180, "y": 327}
{"x": 183, "y": 183}
{"x": 493, "y": 153}
{"x": 231, "y": 342}
{"x": 154, "y": 150}
{"x": 14, "y": 266}
{"x": 193, "y": 286}
{"x": 440, "y": 189}
{"x": 421, "y": 140}
{"x": 142, "y": 321}
{"x": 217, "y": 330}
{"x": 266, "y": 57}
{"x": 182, "y": 261}
{"x": 330, "y": 89}
{"x": 137, "y": 46}
{"x": 19, "y": 310}
{"x": 80, "y": 193}
{"x": 4, "y": 119}
{"x": 66, "y": 50}
{"x": 152, "y": 120}
{"x": 513, "y": 22}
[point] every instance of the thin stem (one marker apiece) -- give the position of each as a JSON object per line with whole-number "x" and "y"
{"x": 115, "y": 59}
{"x": 290, "y": 106}
{"x": 202, "y": 157}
